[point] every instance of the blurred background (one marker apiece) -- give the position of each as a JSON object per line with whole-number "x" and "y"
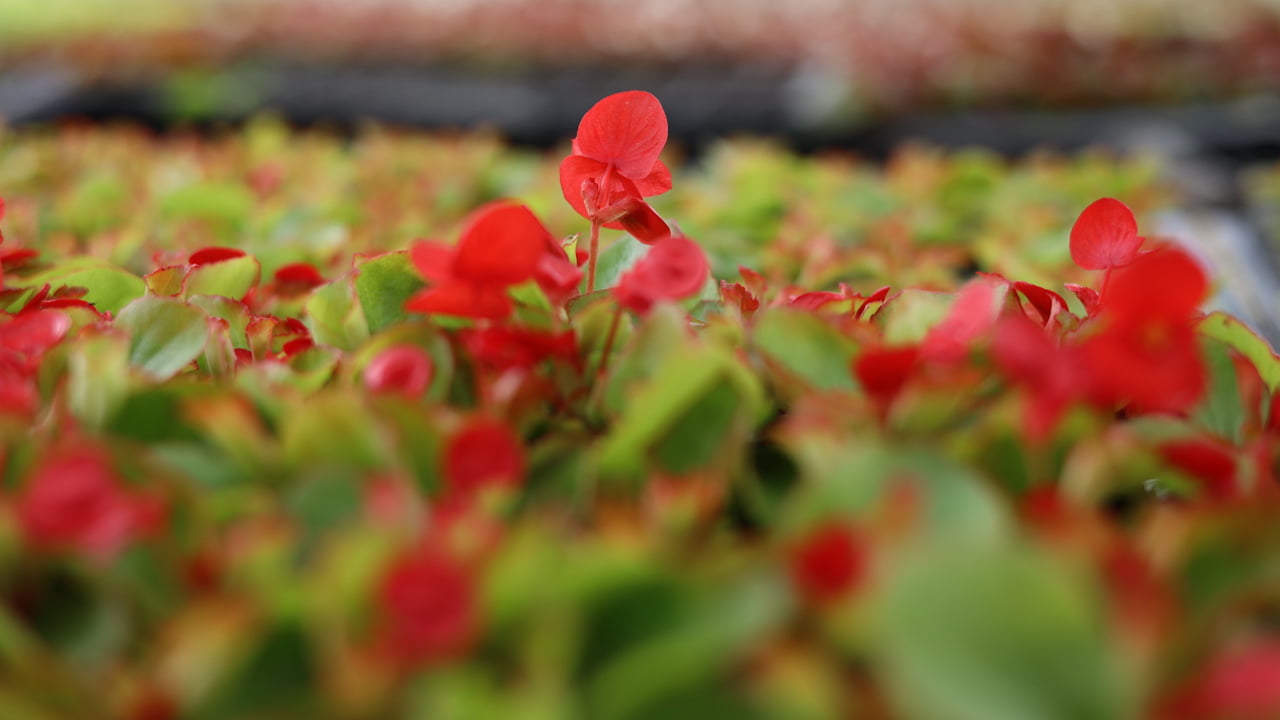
{"x": 1195, "y": 83}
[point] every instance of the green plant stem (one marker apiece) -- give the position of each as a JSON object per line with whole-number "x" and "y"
{"x": 608, "y": 342}
{"x": 594, "y": 249}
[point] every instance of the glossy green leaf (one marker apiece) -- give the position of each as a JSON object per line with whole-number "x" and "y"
{"x": 1245, "y": 341}
{"x": 383, "y": 285}
{"x": 807, "y": 346}
{"x": 109, "y": 288}
{"x": 229, "y": 278}
{"x": 616, "y": 259}
{"x": 166, "y": 335}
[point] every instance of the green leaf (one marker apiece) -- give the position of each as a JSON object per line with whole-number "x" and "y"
{"x": 1245, "y": 341}
{"x": 807, "y": 346}
{"x": 98, "y": 379}
{"x": 109, "y": 288}
{"x": 383, "y": 284}
{"x": 615, "y": 260}
{"x": 167, "y": 335}
{"x": 336, "y": 317}
{"x": 910, "y": 316}
{"x": 225, "y": 205}
{"x": 228, "y": 278}
{"x": 1221, "y": 410}
{"x": 994, "y": 633}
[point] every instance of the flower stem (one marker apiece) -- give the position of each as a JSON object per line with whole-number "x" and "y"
{"x": 608, "y": 342}
{"x": 595, "y": 251}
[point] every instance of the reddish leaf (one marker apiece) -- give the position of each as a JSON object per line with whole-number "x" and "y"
{"x": 213, "y": 255}
{"x": 1105, "y": 236}
{"x": 296, "y": 278}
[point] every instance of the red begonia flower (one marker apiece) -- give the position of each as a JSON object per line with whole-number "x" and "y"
{"x": 1147, "y": 351}
{"x": 1105, "y": 236}
{"x": 75, "y": 501}
{"x": 430, "y": 607}
{"x": 638, "y": 218}
{"x": 1240, "y": 683}
{"x": 1213, "y": 465}
{"x": 484, "y": 453}
{"x": 736, "y": 295}
{"x": 1166, "y": 283}
{"x": 1088, "y": 297}
{"x": 828, "y": 564}
{"x": 401, "y": 369}
{"x": 556, "y": 275}
{"x": 213, "y": 255}
{"x": 883, "y": 372}
{"x": 615, "y": 154}
{"x": 504, "y": 347}
{"x": 27, "y": 336}
{"x": 501, "y": 246}
{"x": 675, "y": 268}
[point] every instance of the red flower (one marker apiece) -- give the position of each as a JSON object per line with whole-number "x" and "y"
{"x": 1208, "y": 462}
{"x": 972, "y": 315}
{"x": 501, "y": 246}
{"x": 484, "y": 454}
{"x": 615, "y": 154}
{"x": 430, "y": 607}
{"x": 674, "y": 269}
{"x": 828, "y": 564}
{"x": 75, "y": 501}
{"x": 26, "y": 337}
{"x": 1147, "y": 351}
{"x": 883, "y": 372}
{"x": 402, "y": 369}
{"x": 503, "y": 347}
{"x": 1242, "y": 684}
{"x": 1105, "y": 236}
{"x": 556, "y": 276}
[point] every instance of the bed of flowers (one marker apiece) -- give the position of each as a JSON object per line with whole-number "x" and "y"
{"x": 297, "y": 428}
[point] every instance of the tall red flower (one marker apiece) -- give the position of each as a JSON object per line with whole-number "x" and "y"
{"x": 502, "y": 245}
{"x": 430, "y": 607}
{"x": 674, "y": 269}
{"x": 1105, "y": 236}
{"x": 615, "y": 154}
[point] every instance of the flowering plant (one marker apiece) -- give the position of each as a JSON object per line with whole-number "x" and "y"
{"x": 263, "y": 464}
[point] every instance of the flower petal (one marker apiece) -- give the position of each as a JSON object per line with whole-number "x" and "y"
{"x": 434, "y": 260}
{"x": 501, "y": 245}
{"x": 627, "y": 130}
{"x": 1105, "y": 236}
{"x": 462, "y": 299}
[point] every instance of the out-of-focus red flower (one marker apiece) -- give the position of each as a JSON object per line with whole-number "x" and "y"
{"x": 829, "y": 564}
{"x": 615, "y": 154}
{"x": 401, "y": 370}
{"x": 429, "y": 605}
{"x": 503, "y": 347}
{"x": 884, "y": 371}
{"x": 556, "y": 275}
{"x": 1209, "y": 462}
{"x": 25, "y": 337}
{"x": 1051, "y": 375}
{"x": 1105, "y": 236}
{"x": 674, "y": 269}
{"x": 1146, "y": 352}
{"x": 485, "y": 453}
{"x": 74, "y": 500}
{"x": 501, "y": 246}
{"x": 1239, "y": 684}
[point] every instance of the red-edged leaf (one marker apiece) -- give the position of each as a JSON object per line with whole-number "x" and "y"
{"x": 627, "y": 130}
{"x": 1105, "y": 236}
{"x": 1045, "y": 303}
{"x": 972, "y": 315}
{"x": 1088, "y": 297}
{"x": 828, "y": 564}
{"x": 501, "y": 245}
{"x": 297, "y": 278}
